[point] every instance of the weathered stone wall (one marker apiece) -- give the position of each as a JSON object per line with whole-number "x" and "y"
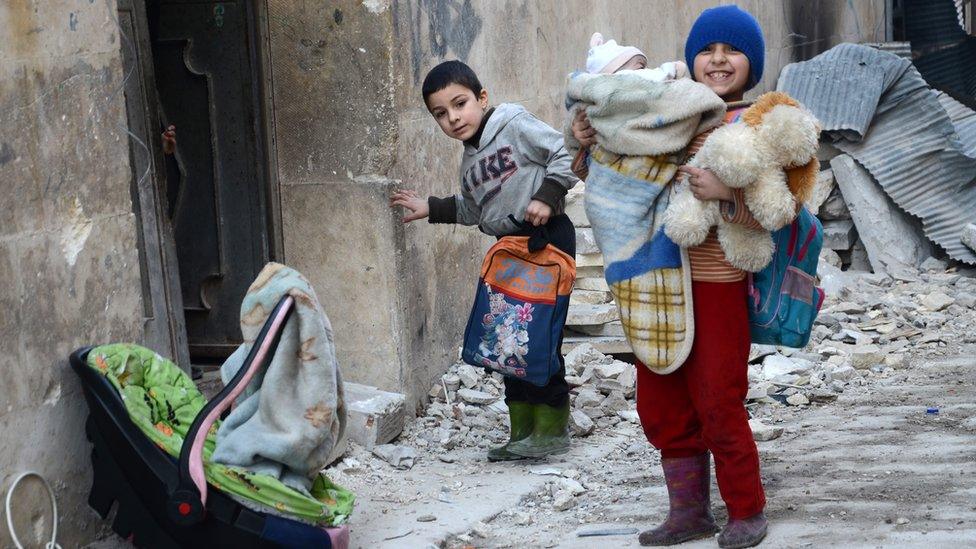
{"x": 68, "y": 260}
{"x": 346, "y": 80}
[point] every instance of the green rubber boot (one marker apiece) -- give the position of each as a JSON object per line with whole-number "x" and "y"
{"x": 521, "y": 416}
{"x": 550, "y": 435}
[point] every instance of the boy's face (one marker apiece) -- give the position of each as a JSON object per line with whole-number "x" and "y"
{"x": 457, "y": 111}
{"x": 724, "y": 69}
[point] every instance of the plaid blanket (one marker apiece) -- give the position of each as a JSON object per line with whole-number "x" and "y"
{"x": 648, "y": 274}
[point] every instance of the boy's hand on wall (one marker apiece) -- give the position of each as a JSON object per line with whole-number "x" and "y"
{"x": 538, "y": 213}
{"x": 412, "y": 201}
{"x": 582, "y": 130}
{"x": 705, "y": 185}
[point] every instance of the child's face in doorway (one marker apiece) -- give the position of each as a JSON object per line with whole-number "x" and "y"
{"x": 457, "y": 110}
{"x": 724, "y": 69}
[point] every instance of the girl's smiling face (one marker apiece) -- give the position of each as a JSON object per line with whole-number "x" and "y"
{"x": 724, "y": 69}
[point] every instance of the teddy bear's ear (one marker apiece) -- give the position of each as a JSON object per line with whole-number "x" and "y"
{"x": 596, "y": 40}
{"x": 802, "y": 179}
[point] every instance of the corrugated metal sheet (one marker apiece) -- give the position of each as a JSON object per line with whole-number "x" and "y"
{"x": 901, "y": 49}
{"x": 963, "y": 119}
{"x": 943, "y": 53}
{"x": 886, "y": 117}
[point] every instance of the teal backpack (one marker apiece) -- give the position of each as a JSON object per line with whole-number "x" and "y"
{"x": 783, "y": 297}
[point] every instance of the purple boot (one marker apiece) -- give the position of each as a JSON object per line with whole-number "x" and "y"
{"x": 690, "y": 516}
{"x": 742, "y": 533}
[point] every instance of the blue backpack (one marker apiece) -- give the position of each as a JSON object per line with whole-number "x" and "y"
{"x": 519, "y": 310}
{"x": 783, "y": 297}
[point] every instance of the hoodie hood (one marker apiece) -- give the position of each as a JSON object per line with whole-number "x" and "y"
{"x": 500, "y": 117}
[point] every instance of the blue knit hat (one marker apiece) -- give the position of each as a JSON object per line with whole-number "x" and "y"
{"x": 733, "y": 26}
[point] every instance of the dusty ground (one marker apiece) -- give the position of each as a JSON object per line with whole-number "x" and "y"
{"x": 872, "y": 469}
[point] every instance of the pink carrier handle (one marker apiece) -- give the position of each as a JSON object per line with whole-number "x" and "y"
{"x": 188, "y": 500}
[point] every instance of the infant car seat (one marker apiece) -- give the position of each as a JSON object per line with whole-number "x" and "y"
{"x": 166, "y": 502}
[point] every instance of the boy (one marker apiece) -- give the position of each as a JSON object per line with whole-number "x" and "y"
{"x": 514, "y": 168}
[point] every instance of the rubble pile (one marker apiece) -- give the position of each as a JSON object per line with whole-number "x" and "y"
{"x": 869, "y": 327}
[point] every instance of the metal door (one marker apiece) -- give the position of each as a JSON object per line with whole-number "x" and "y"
{"x": 204, "y": 66}
{"x": 163, "y": 327}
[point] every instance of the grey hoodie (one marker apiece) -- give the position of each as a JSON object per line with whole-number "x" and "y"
{"x": 518, "y": 158}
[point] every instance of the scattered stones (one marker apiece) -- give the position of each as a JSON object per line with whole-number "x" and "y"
{"x": 798, "y": 399}
{"x": 476, "y": 397}
{"x": 936, "y": 301}
{"x": 563, "y": 501}
{"x": 762, "y": 432}
{"x": 588, "y": 398}
{"x": 934, "y": 265}
{"x": 580, "y": 424}
{"x": 468, "y": 375}
{"x": 400, "y": 457}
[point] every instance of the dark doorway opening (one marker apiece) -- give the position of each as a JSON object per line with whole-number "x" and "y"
{"x": 205, "y": 67}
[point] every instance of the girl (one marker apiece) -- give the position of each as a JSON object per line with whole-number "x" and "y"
{"x": 697, "y": 410}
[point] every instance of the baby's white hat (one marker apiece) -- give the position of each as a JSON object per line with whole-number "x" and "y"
{"x": 607, "y": 57}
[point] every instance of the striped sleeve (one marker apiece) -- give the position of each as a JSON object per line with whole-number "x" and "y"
{"x": 737, "y": 212}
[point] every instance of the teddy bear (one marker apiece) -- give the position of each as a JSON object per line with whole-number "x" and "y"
{"x": 770, "y": 154}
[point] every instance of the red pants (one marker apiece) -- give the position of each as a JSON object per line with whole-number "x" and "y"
{"x": 700, "y": 407}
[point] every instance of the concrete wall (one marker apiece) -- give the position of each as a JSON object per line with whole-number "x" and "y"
{"x": 346, "y": 79}
{"x": 68, "y": 261}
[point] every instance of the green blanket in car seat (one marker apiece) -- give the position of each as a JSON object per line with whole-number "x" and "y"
{"x": 163, "y": 401}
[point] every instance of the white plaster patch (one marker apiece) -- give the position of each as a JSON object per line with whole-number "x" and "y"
{"x": 76, "y": 232}
{"x": 53, "y": 394}
{"x": 376, "y": 6}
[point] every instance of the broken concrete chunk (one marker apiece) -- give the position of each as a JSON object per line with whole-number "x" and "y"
{"x": 865, "y": 357}
{"x": 629, "y": 415}
{"x": 838, "y": 235}
{"x": 598, "y": 284}
{"x": 590, "y": 315}
{"x": 774, "y": 366}
{"x": 762, "y": 432}
{"x": 587, "y": 398}
{"x": 589, "y": 297}
{"x": 893, "y": 242}
{"x": 798, "y": 399}
{"x": 476, "y": 397}
{"x": 575, "y": 200}
{"x": 834, "y": 208}
{"x": 610, "y": 329}
{"x": 934, "y": 265}
{"x": 563, "y": 501}
{"x": 936, "y": 301}
{"x": 585, "y": 243}
{"x": 373, "y": 417}
{"x": 589, "y": 260}
{"x": 612, "y": 370}
{"x": 829, "y": 257}
{"x": 582, "y": 355}
{"x": 859, "y": 257}
{"x": 580, "y": 424}
{"x": 825, "y": 184}
{"x": 400, "y": 457}
{"x": 469, "y": 376}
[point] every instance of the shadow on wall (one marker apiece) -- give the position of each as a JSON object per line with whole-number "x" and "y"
{"x": 451, "y": 26}
{"x": 810, "y": 27}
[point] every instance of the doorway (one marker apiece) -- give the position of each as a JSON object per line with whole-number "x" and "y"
{"x": 200, "y": 69}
